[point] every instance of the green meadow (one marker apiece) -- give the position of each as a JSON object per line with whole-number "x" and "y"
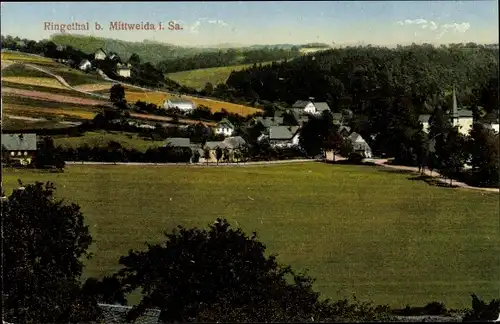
{"x": 357, "y": 229}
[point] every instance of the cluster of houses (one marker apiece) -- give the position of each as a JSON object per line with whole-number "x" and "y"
{"x": 122, "y": 70}
{"x": 276, "y": 131}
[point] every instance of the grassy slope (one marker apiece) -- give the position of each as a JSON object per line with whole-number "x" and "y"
{"x": 357, "y": 230}
{"x": 198, "y": 78}
{"x": 19, "y": 56}
{"x": 101, "y": 138}
{"x": 18, "y": 70}
{"x": 17, "y": 124}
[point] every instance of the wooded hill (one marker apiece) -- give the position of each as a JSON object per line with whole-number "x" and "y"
{"x": 353, "y": 76}
{"x": 171, "y": 58}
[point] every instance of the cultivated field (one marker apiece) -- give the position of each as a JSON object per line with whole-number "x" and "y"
{"x": 26, "y": 58}
{"x": 45, "y": 88}
{"x": 47, "y": 82}
{"x": 20, "y": 124}
{"x": 51, "y": 97}
{"x": 102, "y": 138}
{"x": 357, "y": 229}
{"x": 17, "y": 104}
{"x": 198, "y": 78}
{"x": 158, "y": 98}
{"x": 94, "y": 87}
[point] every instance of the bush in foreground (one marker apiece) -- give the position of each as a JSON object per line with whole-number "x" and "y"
{"x": 44, "y": 244}
{"x": 222, "y": 275}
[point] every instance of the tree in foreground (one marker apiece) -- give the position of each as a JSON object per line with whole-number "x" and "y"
{"x": 482, "y": 311}
{"x": 43, "y": 246}
{"x": 222, "y": 275}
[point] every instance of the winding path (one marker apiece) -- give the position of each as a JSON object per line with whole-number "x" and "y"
{"x": 434, "y": 174}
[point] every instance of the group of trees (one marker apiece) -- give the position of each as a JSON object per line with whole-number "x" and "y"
{"x": 219, "y": 274}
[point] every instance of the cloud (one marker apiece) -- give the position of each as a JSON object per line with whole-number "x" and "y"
{"x": 217, "y": 22}
{"x": 195, "y": 28}
{"x": 433, "y": 26}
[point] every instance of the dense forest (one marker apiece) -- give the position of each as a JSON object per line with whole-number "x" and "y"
{"x": 352, "y": 77}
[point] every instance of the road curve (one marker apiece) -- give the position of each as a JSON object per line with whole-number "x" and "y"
{"x": 434, "y": 174}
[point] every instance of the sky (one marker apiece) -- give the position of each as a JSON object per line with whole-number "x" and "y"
{"x": 385, "y": 23}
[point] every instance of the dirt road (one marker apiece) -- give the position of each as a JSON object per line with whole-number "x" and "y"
{"x": 434, "y": 174}
{"x": 51, "y": 97}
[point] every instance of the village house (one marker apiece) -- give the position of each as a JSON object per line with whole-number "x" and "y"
{"x": 85, "y": 65}
{"x": 229, "y": 145}
{"x": 100, "y": 54}
{"x": 123, "y": 70}
{"x": 182, "y": 105}
{"x": 268, "y": 121}
{"x": 182, "y": 142}
{"x": 19, "y": 147}
{"x": 224, "y": 127}
{"x": 282, "y": 136}
{"x": 310, "y": 107}
{"x": 360, "y": 146}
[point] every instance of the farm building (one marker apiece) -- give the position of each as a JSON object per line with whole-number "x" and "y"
{"x": 309, "y": 107}
{"x": 185, "y": 143}
{"x": 282, "y": 136}
{"x": 182, "y": 105}
{"x": 84, "y": 65}
{"x": 224, "y": 127}
{"x": 100, "y": 54}
{"x": 19, "y": 147}
{"x": 230, "y": 145}
{"x": 360, "y": 146}
{"x": 123, "y": 70}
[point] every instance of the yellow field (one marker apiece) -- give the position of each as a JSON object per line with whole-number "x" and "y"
{"x": 198, "y": 78}
{"x": 158, "y": 98}
{"x": 94, "y": 87}
{"x": 38, "y": 112}
{"x": 43, "y": 82}
{"x": 25, "y": 58}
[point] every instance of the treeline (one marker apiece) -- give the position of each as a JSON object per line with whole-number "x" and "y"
{"x": 227, "y": 58}
{"x": 352, "y": 77}
{"x": 153, "y": 52}
{"x": 45, "y": 48}
{"x": 170, "y": 58}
